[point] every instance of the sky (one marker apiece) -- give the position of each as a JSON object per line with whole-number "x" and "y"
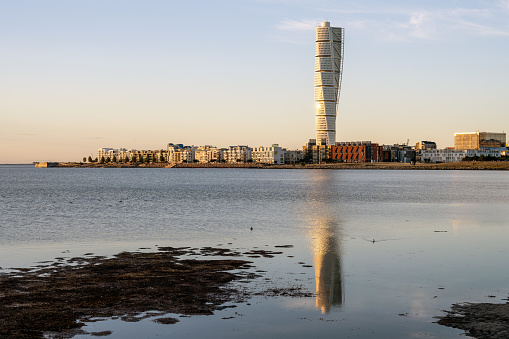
{"x": 84, "y": 74}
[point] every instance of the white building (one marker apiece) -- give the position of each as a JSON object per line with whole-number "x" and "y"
{"x": 269, "y": 155}
{"x": 119, "y": 154}
{"x": 236, "y": 154}
{"x": 124, "y": 155}
{"x": 454, "y": 155}
{"x": 178, "y": 153}
{"x": 328, "y": 73}
{"x": 206, "y": 154}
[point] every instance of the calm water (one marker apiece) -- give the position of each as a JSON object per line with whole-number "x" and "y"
{"x": 440, "y": 237}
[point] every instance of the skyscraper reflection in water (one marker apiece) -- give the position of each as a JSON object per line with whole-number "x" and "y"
{"x": 325, "y": 235}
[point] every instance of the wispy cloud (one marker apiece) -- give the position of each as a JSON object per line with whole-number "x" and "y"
{"x": 504, "y": 4}
{"x": 409, "y": 24}
{"x": 295, "y": 25}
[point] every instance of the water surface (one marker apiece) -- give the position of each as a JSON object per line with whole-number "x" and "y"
{"x": 389, "y": 249}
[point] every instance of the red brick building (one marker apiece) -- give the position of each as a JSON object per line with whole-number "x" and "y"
{"x": 363, "y": 151}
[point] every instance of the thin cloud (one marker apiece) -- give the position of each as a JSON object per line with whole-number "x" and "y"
{"x": 294, "y": 25}
{"x": 504, "y": 4}
{"x": 399, "y": 24}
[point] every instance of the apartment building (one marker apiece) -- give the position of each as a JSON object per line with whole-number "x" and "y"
{"x": 425, "y": 145}
{"x": 269, "y": 155}
{"x": 206, "y": 154}
{"x": 454, "y": 155}
{"x": 238, "y": 154}
{"x": 358, "y": 151}
{"x": 178, "y": 153}
{"x": 479, "y": 140}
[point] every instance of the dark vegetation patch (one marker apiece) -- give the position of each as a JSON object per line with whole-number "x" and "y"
{"x": 59, "y": 298}
{"x": 482, "y": 321}
{"x": 166, "y": 321}
{"x": 263, "y": 253}
{"x": 62, "y": 298}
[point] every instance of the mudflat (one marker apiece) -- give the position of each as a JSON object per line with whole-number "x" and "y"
{"x": 481, "y": 320}
{"x": 61, "y": 296}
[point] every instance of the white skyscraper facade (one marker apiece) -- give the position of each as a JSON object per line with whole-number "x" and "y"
{"x": 328, "y": 73}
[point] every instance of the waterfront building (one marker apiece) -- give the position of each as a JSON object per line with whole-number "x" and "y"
{"x": 455, "y": 155}
{"x": 358, "y": 151}
{"x": 126, "y": 155}
{"x": 399, "y": 153}
{"x": 328, "y": 74}
{"x": 111, "y": 154}
{"x": 273, "y": 155}
{"x": 106, "y": 152}
{"x": 178, "y": 153}
{"x": 316, "y": 154}
{"x": 238, "y": 154}
{"x": 293, "y": 156}
{"x": 207, "y": 153}
{"x": 425, "y": 145}
{"x": 479, "y": 140}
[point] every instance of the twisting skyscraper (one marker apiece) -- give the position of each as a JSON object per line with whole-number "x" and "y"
{"x": 328, "y": 72}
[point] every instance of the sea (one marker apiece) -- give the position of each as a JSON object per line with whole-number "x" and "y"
{"x": 382, "y": 252}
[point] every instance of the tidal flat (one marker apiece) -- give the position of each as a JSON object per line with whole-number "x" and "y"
{"x": 56, "y": 299}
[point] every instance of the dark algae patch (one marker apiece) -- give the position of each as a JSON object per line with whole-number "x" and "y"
{"x": 482, "y": 320}
{"x": 62, "y": 298}
{"x": 59, "y": 298}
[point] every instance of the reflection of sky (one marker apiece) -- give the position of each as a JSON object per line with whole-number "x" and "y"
{"x": 323, "y": 231}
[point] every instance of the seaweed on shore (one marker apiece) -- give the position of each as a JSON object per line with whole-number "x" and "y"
{"x": 481, "y": 320}
{"x": 59, "y": 298}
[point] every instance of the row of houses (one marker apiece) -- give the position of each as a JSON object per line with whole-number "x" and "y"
{"x": 274, "y": 155}
{"x": 179, "y": 153}
{"x": 128, "y": 155}
{"x": 471, "y": 144}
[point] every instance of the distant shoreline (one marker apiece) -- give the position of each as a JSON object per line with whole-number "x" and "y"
{"x": 466, "y": 165}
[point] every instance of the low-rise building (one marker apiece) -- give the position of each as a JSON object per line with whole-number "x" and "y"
{"x": 127, "y": 155}
{"x": 425, "y": 145}
{"x": 238, "y": 154}
{"x": 178, "y": 153}
{"x": 207, "y": 153}
{"x": 273, "y": 155}
{"x": 455, "y": 155}
{"x": 316, "y": 154}
{"x": 293, "y": 156}
{"x": 399, "y": 153}
{"x": 357, "y": 151}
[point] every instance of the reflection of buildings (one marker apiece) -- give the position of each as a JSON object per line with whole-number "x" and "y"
{"x": 324, "y": 232}
{"x": 329, "y": 284}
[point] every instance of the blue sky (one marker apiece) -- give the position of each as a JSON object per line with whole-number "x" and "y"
{"x": 80, "y": 75}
